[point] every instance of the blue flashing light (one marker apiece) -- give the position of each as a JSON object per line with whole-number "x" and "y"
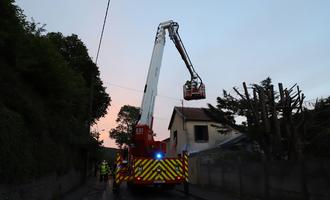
{"x": 159, "y": 156}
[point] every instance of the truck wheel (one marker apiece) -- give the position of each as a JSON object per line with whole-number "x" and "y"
{"x": 115, "y": 188}
{"x": 131, "y": 186}
{"x": 186, "y": 188}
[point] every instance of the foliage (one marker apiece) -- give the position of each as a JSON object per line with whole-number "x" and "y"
{"x": 317, "y": 133}
{"x": 45, "y": 86}
{"x": 274, "y": 121}
{"x": 127, "y": 118}
{"x": 306, "y": 132}
{"x": 75, "y": 52}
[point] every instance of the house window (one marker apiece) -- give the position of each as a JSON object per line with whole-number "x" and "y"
{"x": 201, "y": 134}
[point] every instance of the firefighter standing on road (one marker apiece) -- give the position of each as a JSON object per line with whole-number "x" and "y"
{"x": 104, "y": 171}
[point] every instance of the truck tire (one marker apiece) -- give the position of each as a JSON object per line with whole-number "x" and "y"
{"x": 131, "y": 186}
{"x": 115, "y": 188}
{"x": 186, "y": 188}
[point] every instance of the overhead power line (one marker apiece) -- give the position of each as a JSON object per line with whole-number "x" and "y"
{"x": 140, "y": 91}
{"x": 91, "y": 74}
{"x": 101, "y": 37}
{"x": 124, "y": 87}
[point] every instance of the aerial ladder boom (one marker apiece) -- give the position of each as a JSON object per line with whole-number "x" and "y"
{"x": 150, "y": 89}
{"x": 175, "y": 37}
{"x": 193, "y": 89}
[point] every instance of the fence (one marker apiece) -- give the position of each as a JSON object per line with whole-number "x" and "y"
{"x": 309, "y": 180}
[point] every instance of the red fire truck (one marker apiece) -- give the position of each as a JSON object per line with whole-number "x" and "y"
{"x": 146, "y": 162}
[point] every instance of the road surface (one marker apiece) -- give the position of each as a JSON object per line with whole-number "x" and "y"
{"x": 95, "y": 190}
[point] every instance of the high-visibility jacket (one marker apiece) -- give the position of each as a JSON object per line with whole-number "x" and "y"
{"x": 108, "y": 169}
{"x": 104, "y": 169}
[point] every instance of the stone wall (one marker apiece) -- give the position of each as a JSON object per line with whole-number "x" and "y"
{"x": 269, "y": 180}
{"x": 51, "y": 187}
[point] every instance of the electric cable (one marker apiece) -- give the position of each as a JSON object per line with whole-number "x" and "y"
{"x": 101, "y": 37}
{"x": 140, "y": 91}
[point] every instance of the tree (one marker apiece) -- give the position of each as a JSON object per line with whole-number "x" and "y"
{"x": 75, "y": 53}
{"x": 127, "y": 118}
{"x": 317, "y": 134}
{"x": 45, "y": 84}
{"x": 275, "y": 120}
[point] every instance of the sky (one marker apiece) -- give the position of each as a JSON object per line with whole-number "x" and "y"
{"x": 227, "y": 41}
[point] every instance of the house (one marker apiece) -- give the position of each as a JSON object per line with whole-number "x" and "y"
{"x": 167, "y": 142}
{"x": 192, "y": 130}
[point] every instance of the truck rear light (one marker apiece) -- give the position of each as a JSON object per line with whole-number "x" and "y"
{"x": 138, "y": 178}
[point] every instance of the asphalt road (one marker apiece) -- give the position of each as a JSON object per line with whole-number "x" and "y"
{"x": 103, "y": 191}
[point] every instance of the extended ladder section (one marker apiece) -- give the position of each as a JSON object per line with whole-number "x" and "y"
{"x": 143, "y": 140}
{"x": 194, "y": 88}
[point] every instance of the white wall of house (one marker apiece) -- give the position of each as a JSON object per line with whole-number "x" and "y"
{"x": 181, "y": 136}
{"x": 186, "y": 136}
{"x": 168, "y": 145}
{"x": 214, "y": 137}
